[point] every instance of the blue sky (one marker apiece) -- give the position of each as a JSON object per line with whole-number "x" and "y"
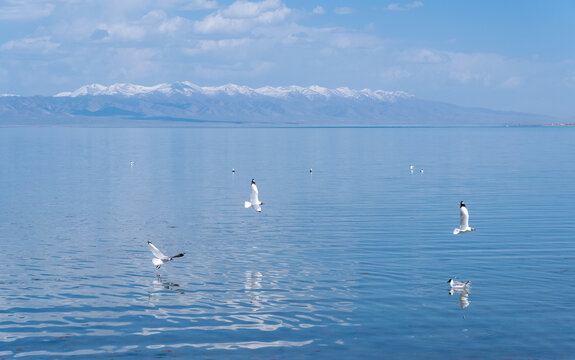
{"x": 506, "y": 55}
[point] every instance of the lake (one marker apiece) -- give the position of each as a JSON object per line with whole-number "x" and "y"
{"x": 350, "y": 261}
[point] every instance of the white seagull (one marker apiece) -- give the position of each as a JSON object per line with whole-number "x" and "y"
{"x": 463, "y": 220}
{"x": 160, "y": 258}
{"x": 254, "y": 202}
{"x": 458, "y": 285}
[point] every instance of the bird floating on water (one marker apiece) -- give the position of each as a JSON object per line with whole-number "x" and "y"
{"x": 233, "y": 171}
{"x": 411, "y": 168}
{"x": 132, "y": 163}
{"x": 463, "y": 220}
{"x": 310, "y": 170}
{"x": 254, "y": 202}
{"x": 455, "y": 285}
{"x": 160, "y": 258}
{"x": 421, "y": 171}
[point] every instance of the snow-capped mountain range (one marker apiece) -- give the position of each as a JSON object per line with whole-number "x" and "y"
{"x": 186, "y": 88}
{"x": 187, "y": 104}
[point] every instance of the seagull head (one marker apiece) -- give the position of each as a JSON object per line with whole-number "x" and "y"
{"x": 462, "y": 204}
{"x": 253, "y": 181}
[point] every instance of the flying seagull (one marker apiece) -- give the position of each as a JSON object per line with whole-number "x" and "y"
{"x": 463, "y": 220}
{"x": 254, "y": 200}
{"x": 160, "y": 258}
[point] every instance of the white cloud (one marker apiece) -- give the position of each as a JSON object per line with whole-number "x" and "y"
{"x": 20, "y": 10}
{"x": 200, "y": 5}
{"x": 42, "y": 44}
{"x": 247, "y": 9}
{"x": 465, "y": 77}
{"x": 425, "y": 56}
{"x": 157, "y": 20}
{"x": 127, "y": 32}
{"x": 409, "y": 6}
{"x": 343, "y": 11}
{"x": 319, "y": 10}
{"x": 511, "y": 82}
{"x": 242, "y": 16}
{"x": 245, "y": 70}
{"x": 131, "y": 63}
{"x": 395, "y": 73}
{"x": 151, "y": 26}
{"x": 204, "y": 46}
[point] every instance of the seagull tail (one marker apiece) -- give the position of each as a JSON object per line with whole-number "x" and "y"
{"x": 456, "y": 231}
{"x": 247, "y": 204}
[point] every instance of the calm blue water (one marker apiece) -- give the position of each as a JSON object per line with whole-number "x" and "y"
{"x": 351, "y": 261}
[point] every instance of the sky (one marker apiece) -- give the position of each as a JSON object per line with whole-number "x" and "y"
{"x": 502, "y": 55}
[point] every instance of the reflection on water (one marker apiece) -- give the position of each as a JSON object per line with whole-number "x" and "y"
{"x": 463, "y": 296}
{"x": 160, "y": 285}
{"x": 253, "y": 280}
{"x": 253, "y": 283}
{"x": 327, "y": 264}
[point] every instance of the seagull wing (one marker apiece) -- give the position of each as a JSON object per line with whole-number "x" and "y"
{"x": 463, "y": 218}
{"x": 157, "y": 253}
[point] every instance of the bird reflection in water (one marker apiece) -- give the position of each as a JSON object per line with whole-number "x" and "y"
{"x": 463, "y": 296}
{"x": 253, "y": 283}
{"x": 160, "y": 285}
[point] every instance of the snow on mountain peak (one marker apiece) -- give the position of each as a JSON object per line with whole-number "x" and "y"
{"x": 188, "y": 89}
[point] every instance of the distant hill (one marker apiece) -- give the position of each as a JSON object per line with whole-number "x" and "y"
{"x": 184, "y": 103}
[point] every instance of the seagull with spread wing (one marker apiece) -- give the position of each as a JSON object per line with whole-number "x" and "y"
{"x": 160, "y": 258}
{"x": 254, "y": 202}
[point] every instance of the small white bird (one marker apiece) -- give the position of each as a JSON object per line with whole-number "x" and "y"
{"x": 458, "y": 285}
{"x": 463, "y": 220}
{"x": 411, "y": 167}
{"x": 160, "y": 258}
{"x": 254, "y": 202}
{"x": 233, "y": 171}
{"x": 421, "y": 171}
{"x": 132, "y": 163}
{"x": 310, "y": 170}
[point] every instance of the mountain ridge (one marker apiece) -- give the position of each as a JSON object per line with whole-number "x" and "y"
{"x": 189, "y": 89}
{"x": 187, "y": 104}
